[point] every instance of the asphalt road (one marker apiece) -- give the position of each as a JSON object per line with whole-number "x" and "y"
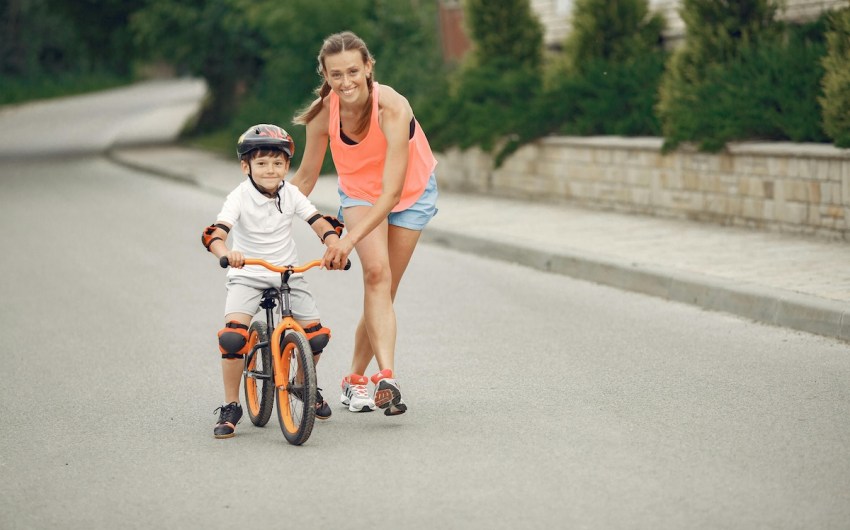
{"x": 536, "y": 401}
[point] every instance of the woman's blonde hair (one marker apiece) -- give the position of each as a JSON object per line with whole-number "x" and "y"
{"x": 338, "y": 43}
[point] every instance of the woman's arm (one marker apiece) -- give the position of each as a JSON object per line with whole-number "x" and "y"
{"x": 395, "y": 123}
{"x": 314, "y": 153}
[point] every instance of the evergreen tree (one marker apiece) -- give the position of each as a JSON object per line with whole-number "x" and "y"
{"x": 617, "y": 31}
{"x": 46, "y": 53}
{"x": 717, "y": 32}
{"x": 505, "y": 31}
{"x": 494, "y": 95}
{"x": 214, "y": 40}
{"x": 612, "y": 65}
{"x": 836, "y": 82}
{"x": 102, "y": 28}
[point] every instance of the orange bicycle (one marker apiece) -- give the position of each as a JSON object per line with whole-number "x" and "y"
{"x": 281, "y": 365}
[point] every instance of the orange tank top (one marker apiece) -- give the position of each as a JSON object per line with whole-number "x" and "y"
{"x": 361, "y": 166}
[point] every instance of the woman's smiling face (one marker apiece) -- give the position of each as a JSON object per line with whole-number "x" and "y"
{"x": 347, "y": 75}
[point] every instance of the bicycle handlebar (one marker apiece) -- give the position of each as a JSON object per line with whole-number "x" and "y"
{"x": 224, "y": 262}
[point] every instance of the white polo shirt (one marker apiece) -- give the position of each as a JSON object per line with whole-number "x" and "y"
{"x": 259, "y": 230}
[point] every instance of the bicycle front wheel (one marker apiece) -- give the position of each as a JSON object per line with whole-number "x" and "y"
{"x": 295, "y": 379}
{"x": 258, "y": 378}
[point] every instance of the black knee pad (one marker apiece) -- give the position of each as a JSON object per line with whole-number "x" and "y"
{"x": 233, "y": 340}
{"x": 318, "y": 336}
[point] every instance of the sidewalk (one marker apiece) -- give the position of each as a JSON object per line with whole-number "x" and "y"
{"x": 796, "y": 282}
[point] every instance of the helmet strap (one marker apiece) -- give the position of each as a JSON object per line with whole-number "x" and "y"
{"x": 275, "y": 195}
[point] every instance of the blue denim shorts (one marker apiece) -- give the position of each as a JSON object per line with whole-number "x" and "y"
{"x": 413, "y": 218}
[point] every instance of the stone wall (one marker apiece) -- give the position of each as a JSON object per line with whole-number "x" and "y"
{"x": 788, "y": 187}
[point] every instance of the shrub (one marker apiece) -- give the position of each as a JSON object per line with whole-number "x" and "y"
{"x": 617, "y": 31}
{"x": 608, "y": 98}
{"x": 607, "y": 80}
{"x": 505, "y": 31}
{"x": 19, "y": 89}
{"x": 786, "y": 74}
{"x": 613, "y": 61}
{"x": 493, "y": 94}
{"x": 212, "y": 39}
{"x": 835, "y": 101}
{"x": 767, "y": 90}
{"x": 716, "y": 32}
{"x": 401, "y": 35}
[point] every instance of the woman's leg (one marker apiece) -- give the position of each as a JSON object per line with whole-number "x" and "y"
{"x": 401, "y": 243}
{"x": 384, "y": 258}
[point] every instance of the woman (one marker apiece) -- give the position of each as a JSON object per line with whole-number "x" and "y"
{"x": 388, "y": 194}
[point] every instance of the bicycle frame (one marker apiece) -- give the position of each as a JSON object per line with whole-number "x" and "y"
{"x": 271, "y": 298}
{"x": 286, "y": 324}
{"x": 287, "y": 360}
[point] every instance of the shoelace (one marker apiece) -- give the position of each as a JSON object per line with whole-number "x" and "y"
{"x": 360, "y": 390}
{"x": 228, "y": 413}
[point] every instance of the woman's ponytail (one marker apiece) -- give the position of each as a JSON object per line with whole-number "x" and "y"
{"x": 306, "y": 115}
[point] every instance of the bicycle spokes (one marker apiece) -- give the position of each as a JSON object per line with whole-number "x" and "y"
{"x": 257, "y": 376}
{"x": 295, "y": 380}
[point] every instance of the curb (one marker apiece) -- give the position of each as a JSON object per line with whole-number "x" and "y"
{"x": 798, "y": 311}
{"x": 787, "y": 309}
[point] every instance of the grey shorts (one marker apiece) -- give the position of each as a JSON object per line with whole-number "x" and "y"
{"x": 244, "y": 294}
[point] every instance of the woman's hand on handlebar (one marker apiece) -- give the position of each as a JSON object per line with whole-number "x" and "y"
{"x": 336, "y": 255}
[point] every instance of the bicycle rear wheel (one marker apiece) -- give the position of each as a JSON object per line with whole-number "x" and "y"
{"x": 295, "y": 379}
{"x": 258, "y": 378}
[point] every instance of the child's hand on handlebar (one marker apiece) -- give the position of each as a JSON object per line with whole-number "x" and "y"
{"x": 235, "y": 258}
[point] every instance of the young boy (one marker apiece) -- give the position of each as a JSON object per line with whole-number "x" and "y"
{"x": 259, "y": 212}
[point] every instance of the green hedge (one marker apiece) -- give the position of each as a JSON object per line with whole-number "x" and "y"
{"x": 605, "y": 83}
{"x": 19, "y": 89}
{"x": 612, "y": 66}
{"x": 609, "y": 98}
{"x": 836, "y": 81}
{"x": 739, "y": 75}
{"x": 767, "y": 91}
{"x": 493, "y": 96}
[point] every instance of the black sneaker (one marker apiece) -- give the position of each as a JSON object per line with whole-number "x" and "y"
{"x": 323, "y": 410}
{"x": 227, "y": 420}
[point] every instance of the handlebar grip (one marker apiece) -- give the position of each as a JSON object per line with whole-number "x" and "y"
{"x": 347, "y": 265}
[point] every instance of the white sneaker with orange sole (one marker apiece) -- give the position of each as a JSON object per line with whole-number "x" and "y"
{"x": 355, "y": 395}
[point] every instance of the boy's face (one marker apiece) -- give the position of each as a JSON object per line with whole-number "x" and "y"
{"x": 267, "y": 171}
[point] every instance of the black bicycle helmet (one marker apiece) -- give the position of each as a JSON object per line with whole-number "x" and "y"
{"x": 265, "y": 136}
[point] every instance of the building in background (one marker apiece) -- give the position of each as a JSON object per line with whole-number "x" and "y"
{"x": 555, "y": 16}
{"x": 453, "y": 37}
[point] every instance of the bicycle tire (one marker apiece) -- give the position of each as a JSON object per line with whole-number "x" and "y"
{"x": 296, "y": 400}
{"x": 259, "y": 398}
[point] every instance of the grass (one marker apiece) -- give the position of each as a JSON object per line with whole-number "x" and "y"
{"x": 20, "y": 90}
